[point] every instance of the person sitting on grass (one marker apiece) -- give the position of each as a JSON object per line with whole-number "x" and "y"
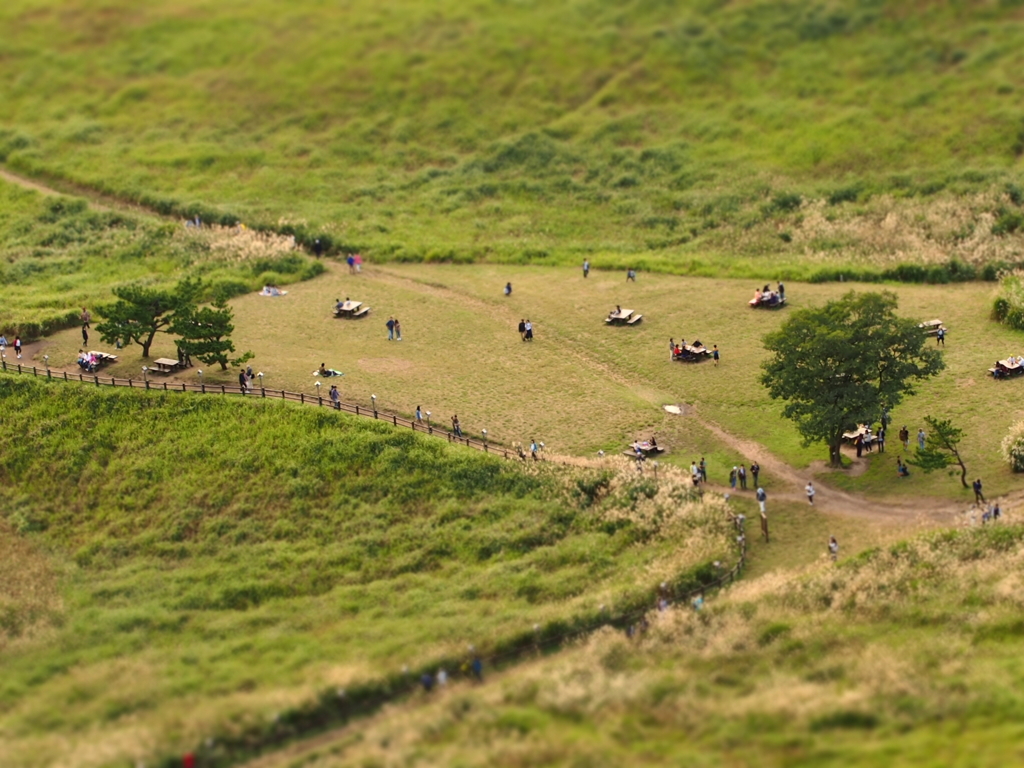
{"x": 901, "y": 468}
{"x": 324, "y": 371}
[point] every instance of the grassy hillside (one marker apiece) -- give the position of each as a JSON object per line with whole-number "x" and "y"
{"x": 679, "y": 133}
{"x": 906, "y": 656}
{"x": 188, "y": 566}
{"x": 57, "y": 255}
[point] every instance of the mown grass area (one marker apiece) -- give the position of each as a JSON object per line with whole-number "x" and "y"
{"x": 706, "y": 138}
{"x": 57, "y": 256}
{"x": 184, "y": 567}
{"x": 903, "y": 655}
{"x": 582, "y": 386}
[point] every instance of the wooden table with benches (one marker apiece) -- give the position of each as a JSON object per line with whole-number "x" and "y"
{"x": 351, "y": 309}
{"x": 102, "y": 358}
{"x": 164, "y": 365}
{"x": 622, "y": 317}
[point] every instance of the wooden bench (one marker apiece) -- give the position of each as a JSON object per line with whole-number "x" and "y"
{"x": 164, "y": 365}
{"x": 361, "y": 312}
{"x": 634, "y": 319}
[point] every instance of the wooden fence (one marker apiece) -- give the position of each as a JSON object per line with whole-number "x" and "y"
{"x": 261, "y": 392}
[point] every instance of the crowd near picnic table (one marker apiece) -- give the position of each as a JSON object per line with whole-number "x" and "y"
{"x": 1008, "y": 368}
{"x": 766, "y": 298}
{"x": 691, "y": 353}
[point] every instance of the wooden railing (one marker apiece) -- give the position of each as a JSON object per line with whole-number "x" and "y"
{"x": 261, "y": 392}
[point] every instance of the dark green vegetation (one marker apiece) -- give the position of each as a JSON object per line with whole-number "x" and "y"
{"x": 677, "y": 135}
{"x": 902, "y": 656}
{"x": 209, "y": 562}
{"x": 845, "y": 364}
{"x": 57, "y": 255}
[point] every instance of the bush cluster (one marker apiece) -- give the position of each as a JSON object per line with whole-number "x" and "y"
{"x": 1013, "y": 447}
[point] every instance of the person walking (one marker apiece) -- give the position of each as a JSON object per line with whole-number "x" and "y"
{"x": 742, "y": 475}
{"x": 398, "y": 330}
{"x": 714, "y": 355}
{"x": 732, "y": 478}
{"x": 586, "y": 267}
{"x": 522, "y": 330}
{"x": 419, "y": 414}
{"x": 243, "y": 382}
{"x": 703, "y": 467}
{"x": 335, "y": 396}
{"x": 833, "y": 548}
{"x": 455, "y": 426}
{"x": 905, "y": 437}
{"x": 809, "y": 490}
{"x": 859, "y": 442}
{"x": 920, "y": 439}
{"x": 694, "y": 473}
{"x": 755, "y": 470}
{"x": 979, "y": 497}
{"x": 508, "y": 289}
{"x": 533, "y": 448}
{"x": 86, "y": 318}
{"x": 391, "y": 328}
{"x": 85, "y": 334}
{"x": 17, "y": 346}
{"x": 762, "y": 499}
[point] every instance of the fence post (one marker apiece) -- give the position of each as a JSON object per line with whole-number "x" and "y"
{"x": 320, "y": 401}
{"x": 34, "y": 371}
{"x": 357, "y": 410}
{"x": 65, "y": 375}
{"x": 146, "y": 383}
{"x": 282, "y": 395}
{"x": 263, "y": 392}
{"x": 394, "y": 419}
{"x": 97, "y": 380}
{"x": 202, "y": 388}
{"x": 302, "y": 398}
{"x": 223, "y": 389}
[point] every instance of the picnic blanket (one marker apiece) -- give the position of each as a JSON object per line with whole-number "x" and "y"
{"x": 269, "y": 290}
{"x": 328, "y": 372}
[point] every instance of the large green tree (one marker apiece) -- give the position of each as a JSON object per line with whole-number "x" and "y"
{"x": 140, "y": 313}
{"x": 205, "y": 333}
{"x": 839, "y": 365}
{"x": 942, "y": 448}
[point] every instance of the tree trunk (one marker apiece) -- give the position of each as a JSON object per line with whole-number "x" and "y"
{"x": 147, "y": 344}
{"x": 963, "y": 469}
{"x": 835, "y": 457}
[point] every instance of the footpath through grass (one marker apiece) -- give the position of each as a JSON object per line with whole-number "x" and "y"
{"x": 902, "y": 656}
{"x": 186, "y": 566}
{"x": 692, "y": 137}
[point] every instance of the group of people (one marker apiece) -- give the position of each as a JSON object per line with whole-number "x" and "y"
{"x": 17, "y": 344}
{"x": 1011, "y": 366}
{"x": 87, "y": 361}
{"x": 246, "y": 379}
{"x": 682, "y": 351}
{"x": 768, "y": 297}
{"x": 394, "y": 327}
{"x": 526, "y": 330}
{"x": 739, "y": 475}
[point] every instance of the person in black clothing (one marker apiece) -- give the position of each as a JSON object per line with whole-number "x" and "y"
{"x": 243, "y": 382}
{"x": 979, "y": 497}
{"x": 85, "y": 333}
{"x": 755, "y": 470}
{"x": 522, "y": 330}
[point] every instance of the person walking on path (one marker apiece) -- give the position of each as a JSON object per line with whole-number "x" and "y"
{"x": 742, "y": 474}
{"x": 809, "y": 490}
{"x": 703, "y": 467}
{"x": 714, "y": 355}
{"x": 833, "y": 548}
{"x": 398, "y": 330}
{"x": 455, "y": 426}
{"x": 732, "y": 478}
{"x": 419, "y": 414}
{"x": 17, "y": 346}
{"x": 762, "y": 499}
{"x": 243, "y": 382}
{"x": 335, "y": 396}
{"x": 391, "y": 328}
{"x": 522, "y": 330}
{"x": 979, "y": 497}
{"x": 755, "y": 470}
{"x": 920, "y": 439}
{"x": 586, "y": 267}
{"x": 508, "y": 289}
{"x": 905, "y": 437}
{"x": 940, "y": 336}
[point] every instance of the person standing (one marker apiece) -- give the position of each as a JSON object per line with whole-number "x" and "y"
{"x": 586, "y": 267}
{"x": 419, "y": 414}
{"x": 703, "y": 467}
{"x": 905, "y": 437}
{"x": 833, "y": 548}
{"x": 940, "y": 336}
{"x": 522, "y": 330}
{"x": 391, "y": 328}
{"x": 859, "y": 442}
{"x": 398, "y": 330}
{"x": 979, "y": 497}
{"x": 17, "y": 346}
{"x": 714, "y": 356}
{"x": 694, "y": 473}
{"x": 86, "y": 318}
{"x": 85, "y": 334}
{"x": 881, "y": 439}
{"x": 809, "y": 490}
{"x": 533, "y": 448}
{"x": 732, "y": 478}
{"x": 243, "y": 382}
{"x": 351, "y": 261}
{"x": 762, "y": 499}
{"x": 508, "y": 289}
{"x": 755, "y": 470}
{"x": 630, "y": 275}
{"x": 671, "y": 349}
{"x": 335, "y": 396}
{"x": 920, "y": 439}
{"x": 455, "y": 426}
{"x": 318, "y": 248}
{"x": 782, "y": 291}
{"x": 742, "y": 475}
{"x": 529, "y": 330}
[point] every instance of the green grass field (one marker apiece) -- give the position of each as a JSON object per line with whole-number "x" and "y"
{"x": 186, "y": 566}
{"x": 682, "y": 135}
{"x": 902, "y": 656}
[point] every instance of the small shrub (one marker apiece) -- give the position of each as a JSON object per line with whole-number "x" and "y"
{"x": 1013, "y": 447}
{"x": 1007, "y": 222}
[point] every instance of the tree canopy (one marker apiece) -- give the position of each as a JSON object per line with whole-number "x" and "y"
{"x": 205, "y": 333}
{"x": 140, "y": 313}
{"x": 839, "y": 365}
{"x": 942, "y": 448}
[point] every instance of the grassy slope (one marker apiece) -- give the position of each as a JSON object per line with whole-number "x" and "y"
{"x": 902, "y": 656}
{"x": 203, "y": 561}
{"x": 516, "y": 130}
{"x": 57, "y": 255}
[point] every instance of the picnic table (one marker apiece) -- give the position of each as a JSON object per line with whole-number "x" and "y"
{"x": 622, "y": 317}
{"x": 351, "y": 309}
{"x": 1005, "y": 369}
{"x": 690, "y": 353}
{"x": 164, "y": 365}
{"x": 863, "y": 431}
{"x": 931, "y": 327}
{"x": 646, "y": 447}
{"x": 102, "y": 358}
{"x": 769, "y": 301}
